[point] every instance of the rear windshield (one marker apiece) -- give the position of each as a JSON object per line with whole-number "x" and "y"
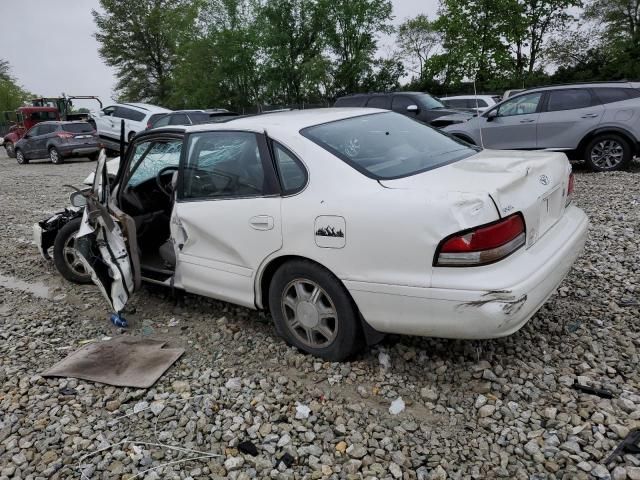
{"x": 388, "y": 145}
{"x": 77, "y": 127}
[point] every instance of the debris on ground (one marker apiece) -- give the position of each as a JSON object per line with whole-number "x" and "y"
{"x": 397, "y": 406}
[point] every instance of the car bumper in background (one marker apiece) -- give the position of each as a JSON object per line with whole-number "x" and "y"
{"x": 78, "y": 150}
{"x": 479, "y": 313}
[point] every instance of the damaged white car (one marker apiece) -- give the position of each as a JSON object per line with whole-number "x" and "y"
{"x": 344, "y": 223}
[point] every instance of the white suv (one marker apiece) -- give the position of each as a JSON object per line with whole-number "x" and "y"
{"x": 136, "y": 116}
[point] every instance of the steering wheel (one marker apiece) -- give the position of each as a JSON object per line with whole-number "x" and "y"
{"x": 163, "y": 188}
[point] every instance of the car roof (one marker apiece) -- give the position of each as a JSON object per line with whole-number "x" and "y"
{"x": 462, "y": 97}
{"x": 296, "y": 119}
{"x": 145, "y": 106}
{"x": 62, "y": 122}
{"x": 614, "y": 84}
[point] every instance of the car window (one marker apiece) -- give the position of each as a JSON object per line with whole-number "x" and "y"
{"x": 109, "y": 111}
{"x": 478, "y": 103}
{"x": 81, "y": 127}
{"x": 357, "y": 101}
{"x": 179, "y": 119}
{"x": 225, "y": 165}
{"x": 150, "y": 157}
{"x": 154, "y": 118}
{"x": 401, "y": 102}
{"x": 293, "y": 175}
{"x": 162, "y": 122}
{"x": 570, "y": 99}
{"x": 47, "y": 129}
{"x": 388, "y": 145}
{"x": 455, "y": 103}
{"x": 611, "y": 95}
{"x": 522, "y": 105}
{"x": 380, "y": 101}
{"x": 35, "y": 131}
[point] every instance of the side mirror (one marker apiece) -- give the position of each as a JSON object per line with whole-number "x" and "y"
{"x": 413, "y": 108}
{"x": 77, "y": 199}
{"x": 491, "y": 115}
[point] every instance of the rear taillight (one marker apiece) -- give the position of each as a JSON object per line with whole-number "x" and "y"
{"x": 482, "y": 245}
{"x": 570, "y": 187}
{"x": 64, "y": 135}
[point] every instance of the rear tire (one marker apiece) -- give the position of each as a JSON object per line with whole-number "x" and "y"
{"x": 608, "y": 152}
{"x": 55, "y": 156}
{"x": 313, "y": 311}
{"x": 20, "y": 158}
{"x": 65, "y": 257}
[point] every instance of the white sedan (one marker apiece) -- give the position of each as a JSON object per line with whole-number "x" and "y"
{"x": 344, "y": 223}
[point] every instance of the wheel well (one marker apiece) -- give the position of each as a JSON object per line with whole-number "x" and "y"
{"x": 627, "y": 136}
{"x": 371, "y": 335}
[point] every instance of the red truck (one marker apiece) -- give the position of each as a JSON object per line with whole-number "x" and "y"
{"x": 25, "y": 118}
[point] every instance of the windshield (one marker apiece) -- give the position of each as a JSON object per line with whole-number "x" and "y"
{"x": 428, "y": 102}
{"x": 388, "y": 145}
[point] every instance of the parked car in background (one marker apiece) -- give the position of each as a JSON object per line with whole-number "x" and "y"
{"x": 57, "y": 141}
{"x": 417, "y": 105}
{"x": 335, "y": 221}
{"x": 136, "y": 116}
{"x": 23, "y": 119}
{"x": 189, "y": 117}
{"x": 597, "y": 122}
{"x": 471, "y": 103}
{"x": 511, "y": 93}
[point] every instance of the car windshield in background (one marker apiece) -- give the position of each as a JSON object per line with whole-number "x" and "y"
{"x": 428, "y": 102}
{"x": 387, "y": 145}
{"x": 77, "y": 127}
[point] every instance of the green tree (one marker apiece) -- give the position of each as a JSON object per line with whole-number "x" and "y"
{"x": 293, "y": 43}
{"x": 12, "y": 95}
{"x": 351, "y": 37}
{"x": 417, "y": 40}
{"x": 5, "y": 70}
{"x": 140, "y": 38}
{"x": 532, "y": 26}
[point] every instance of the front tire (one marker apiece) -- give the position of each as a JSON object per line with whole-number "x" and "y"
{"x": 20, "y": 158}
{"x": 607, "y": 153}
{"x": 55, "y": 156}
{"x": 313, "y": 311}
{"x": 10, "y": 149}
{"x": 65, "y": 257}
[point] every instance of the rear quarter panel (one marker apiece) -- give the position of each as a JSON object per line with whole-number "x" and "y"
{"x": 390, "y": 235}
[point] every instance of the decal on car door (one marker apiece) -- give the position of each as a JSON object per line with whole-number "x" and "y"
{"x": 330, "y": 231}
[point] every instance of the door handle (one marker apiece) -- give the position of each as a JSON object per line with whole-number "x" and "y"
{"x": 261, "y": 222}
{"x": 590, "y": 115}
{"x": 530, "y": 120}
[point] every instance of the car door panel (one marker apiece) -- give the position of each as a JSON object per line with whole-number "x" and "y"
{"x": 563, "y": 126}
{"x": 513, "y": 132}
{"x": 228, "y": 218}
{"x": 220, "y": 245}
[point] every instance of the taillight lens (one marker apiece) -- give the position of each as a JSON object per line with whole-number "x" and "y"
{"x": 570, "y": 187}
{"x": 64, "y": 135}
{"x": 482, "y": 245}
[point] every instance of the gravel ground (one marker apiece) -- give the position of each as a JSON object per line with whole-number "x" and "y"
{"x": 492, "y": 409}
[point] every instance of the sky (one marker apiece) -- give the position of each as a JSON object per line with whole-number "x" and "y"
{"x": 56, "y": 52}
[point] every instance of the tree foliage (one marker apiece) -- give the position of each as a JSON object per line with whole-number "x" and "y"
{"x": 12, "y": 95}
{"x": 418, "y": 39}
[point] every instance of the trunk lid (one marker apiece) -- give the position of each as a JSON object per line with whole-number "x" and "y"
{"x": 534, "y": 183}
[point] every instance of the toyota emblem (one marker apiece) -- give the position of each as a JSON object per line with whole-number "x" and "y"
{"x": 544, "y": 180}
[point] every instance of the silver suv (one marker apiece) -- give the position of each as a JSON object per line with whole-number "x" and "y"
{"x": 598, "y": 122}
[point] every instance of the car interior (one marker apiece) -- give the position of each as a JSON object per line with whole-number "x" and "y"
{"x": 147, "y": 197}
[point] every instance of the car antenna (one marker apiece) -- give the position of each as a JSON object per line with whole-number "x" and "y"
{"x": 475, "y": 94}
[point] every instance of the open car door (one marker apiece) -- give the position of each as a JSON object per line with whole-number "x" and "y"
{"x": 102, "y": 242}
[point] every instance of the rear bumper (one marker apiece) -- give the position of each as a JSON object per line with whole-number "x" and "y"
{"x": 78, "y": 150}
{"x": 479, "y": 313}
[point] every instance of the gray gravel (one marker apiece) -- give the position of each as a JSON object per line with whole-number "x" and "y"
{"x": 492, "y": 409}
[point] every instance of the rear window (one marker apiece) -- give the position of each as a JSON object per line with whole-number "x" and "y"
{"x": 350, "y": 101}
{"x": 568, "y": 99}
{"x": 77, "y": 127}
{"x": 611, "y": 95}
{"x": 388, "y": 145}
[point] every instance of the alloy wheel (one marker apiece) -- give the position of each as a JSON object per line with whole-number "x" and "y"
{"x": 71, "y": 257}
{"x": 309, "y": 313}
{"x": 10, "y": 149}
{"x": 53, "y": 155}
{"x": 607, "y": 154}
{"x": 20, "y": 157}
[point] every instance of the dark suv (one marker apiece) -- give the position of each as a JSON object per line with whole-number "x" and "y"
{"x": 57, "y": 141}
{"x": 418, "y": 105}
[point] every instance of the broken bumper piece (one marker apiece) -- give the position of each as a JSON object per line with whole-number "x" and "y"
{"x": 45, "y": 231}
